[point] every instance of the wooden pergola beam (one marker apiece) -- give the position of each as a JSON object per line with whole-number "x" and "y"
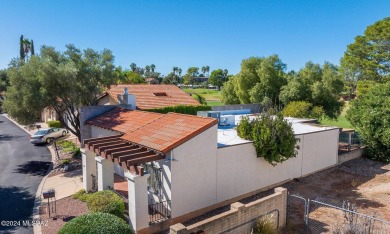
{"x": 87, "y": 141}
{"x": 145, "y": 159}
{"x": 116, "y": 155}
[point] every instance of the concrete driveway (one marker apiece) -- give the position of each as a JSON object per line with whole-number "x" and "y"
{"x": 22, "y": 166}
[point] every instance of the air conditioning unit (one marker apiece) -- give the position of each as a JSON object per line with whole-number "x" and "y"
{"x": 223, "y": 121}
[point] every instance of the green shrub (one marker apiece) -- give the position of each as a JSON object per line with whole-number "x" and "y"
{"x": 81, "y": 195}
{"x": 272, "y": 136}
{"x": 97, "y": 223}
{"x": 107, "y": 202}
{"x": 189, "y": 110}
{"x": 70, "y": 147}
{"x": 65, "y": 161}
{"x": 54, "y": 124}
{"x": 264, "y": 225}
{"x": 303, "y": 109}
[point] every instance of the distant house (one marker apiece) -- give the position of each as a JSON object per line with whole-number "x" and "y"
{"x": 151, "y": 81}
{"x": 173, "y": 167}
{"x": 148, "y": 96}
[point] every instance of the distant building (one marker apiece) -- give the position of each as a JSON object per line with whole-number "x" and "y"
{"x": 151, "y": 81}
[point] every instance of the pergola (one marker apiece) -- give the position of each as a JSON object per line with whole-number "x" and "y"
{"x": 126, "y": 154}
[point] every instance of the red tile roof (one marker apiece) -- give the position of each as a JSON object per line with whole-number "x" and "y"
{"x": 161, "y": 132}
{"x": 146, "y": 97}
{"x": 169, "y": 131}
{"x": 123, "y": 120}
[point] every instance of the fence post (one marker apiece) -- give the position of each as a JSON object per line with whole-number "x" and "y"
{"x": 307, "y": 216}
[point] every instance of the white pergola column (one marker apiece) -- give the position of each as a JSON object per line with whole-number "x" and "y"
{"x": 89, "y": 168}
{"x": 105, "y": 170}
{"x": 138, "y": 201}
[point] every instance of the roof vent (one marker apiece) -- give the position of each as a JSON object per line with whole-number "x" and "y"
{"x": 160, "y": 94}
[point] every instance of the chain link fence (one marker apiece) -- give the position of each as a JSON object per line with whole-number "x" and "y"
{"x": 327, "y": 215}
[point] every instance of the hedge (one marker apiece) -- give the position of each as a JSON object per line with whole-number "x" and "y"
{"x": 107, "y": 202}
{"x": 54, "y": 124}
{"x": 99, "y": 223}
{"x": 189, "y": 110}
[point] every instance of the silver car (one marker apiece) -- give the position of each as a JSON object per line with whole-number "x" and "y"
{"x": 47, "y": 135}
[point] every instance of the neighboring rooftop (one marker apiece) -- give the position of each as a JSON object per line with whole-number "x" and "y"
{"x": 227, "y": 135}
{"x": 161, "y": 132}
{"x": 153, "y": 96}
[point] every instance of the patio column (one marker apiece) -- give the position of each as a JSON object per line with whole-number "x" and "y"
{"x": 138, "y": 201}
{"x": 89, "y": 168}
{"x": 105, "y": 170}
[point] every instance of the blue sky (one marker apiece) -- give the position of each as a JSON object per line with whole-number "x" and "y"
{"x": 191, "y": 33}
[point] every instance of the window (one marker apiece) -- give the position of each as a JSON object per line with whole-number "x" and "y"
{"x": 155, "y": 178}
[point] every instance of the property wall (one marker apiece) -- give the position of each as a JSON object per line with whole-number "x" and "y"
{"x": 320, "y": 150}
{"x": 240, "y": 171}
{"x": 241, "y": 218}
{"x": 193, "y": 173}
{"x": 356, "y": 153}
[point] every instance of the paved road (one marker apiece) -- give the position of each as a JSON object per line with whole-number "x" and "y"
{"x": 22, "y": 166}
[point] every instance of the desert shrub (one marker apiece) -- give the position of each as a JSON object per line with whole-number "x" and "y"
{"x": 70, "y": 147}
{"x": 264, "y": 225}
{"x": 65, "y": 161}
{"x": 97, "y": 223}
{"x": 54, "y": 124}
{"x": 81, "y": 195}
{"x": 107, "y": 202}
{"x": 77, "y": 154}
{"x": 189, "y": 110}
{"x": 244, "y": 129}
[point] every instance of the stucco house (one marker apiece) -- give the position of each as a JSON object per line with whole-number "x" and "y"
{"x": 149, "y": 96}
{"x": 179, "y": 166}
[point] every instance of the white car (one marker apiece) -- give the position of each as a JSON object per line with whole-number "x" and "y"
{"x": 47, "y": 135}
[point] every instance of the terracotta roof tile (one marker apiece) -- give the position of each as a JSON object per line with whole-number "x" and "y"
{"x": 149, "y": 96}
{"x": 161, "y": 132}
{"x": 123, "y": 120}
{"x": 169, "y": 131}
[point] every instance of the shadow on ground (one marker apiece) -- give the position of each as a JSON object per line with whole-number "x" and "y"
{"x": 35, "y": 168}
{"x": 16, "y": 205}
{"x": 8, "y": 137}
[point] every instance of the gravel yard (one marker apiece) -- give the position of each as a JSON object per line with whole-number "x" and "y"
{"x": 362, "y": 182}
{"x": 67, "y": 208}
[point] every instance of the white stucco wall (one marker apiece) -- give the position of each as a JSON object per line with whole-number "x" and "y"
{"x": 101, "y": 132}
{"x": 107, "y": 100}
{"x": 239, "y": 171}
{"x": 320, "y": 150}
{"x": 194, "y": 173}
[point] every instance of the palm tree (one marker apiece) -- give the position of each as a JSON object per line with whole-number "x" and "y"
{"x": 152, "y": 67}
{"x": 179, "y": 71}
{"x": 204, "y": 70}
{"x": 133, "y": 67}
{"x": 26, "y": 47}
{"x": 208, "y": 70}
{"x": 175, "y": 69}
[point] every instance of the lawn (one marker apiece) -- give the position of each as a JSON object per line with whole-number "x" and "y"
{"x": 213, "y": 97}
{"x": 341, "y": 120}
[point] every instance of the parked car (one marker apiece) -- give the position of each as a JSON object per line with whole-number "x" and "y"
{"x": 47, "y": 135}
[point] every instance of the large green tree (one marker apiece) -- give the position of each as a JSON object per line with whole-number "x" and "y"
{"x": 229, "y": 94}
{"x": 64, "y": 81}
{"x": 260, "y": 79}
{"x": 368, "y": 57}
{"x": 370, "y": 116}
{"x": 318, "y": 85}
{"x": 218, "y": 77}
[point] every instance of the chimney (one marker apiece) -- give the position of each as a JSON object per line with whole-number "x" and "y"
{"x": 127, "y": 99}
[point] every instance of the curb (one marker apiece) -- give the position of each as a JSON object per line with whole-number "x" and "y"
{"x": 37, "y": 203}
